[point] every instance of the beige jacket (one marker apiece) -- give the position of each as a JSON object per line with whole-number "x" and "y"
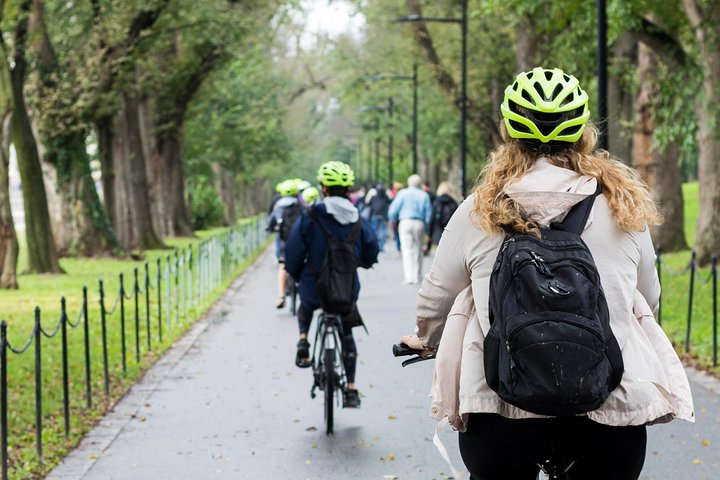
{"x": 454, "y": 298}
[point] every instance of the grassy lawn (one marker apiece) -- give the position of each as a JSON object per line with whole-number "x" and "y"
{"x": 44, "y": 292}
{"x": 675, "y": 279}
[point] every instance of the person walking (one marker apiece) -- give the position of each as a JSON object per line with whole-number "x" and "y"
{"x": 305, "y": 253}
{"x": 546, "y": 165}
{"x": 411, "y": 207}
{"x": 443, "y": 208}
{"x": 377, "y": 201}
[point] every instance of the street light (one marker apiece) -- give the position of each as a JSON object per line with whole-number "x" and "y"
{"x": 602, "y": 74}
{"x": 389, "y": 108}
{"x": 463, "y": 21}
{"x": 414, "y": 79}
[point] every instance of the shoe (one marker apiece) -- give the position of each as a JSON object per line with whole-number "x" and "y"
{"x": 302, "y": 357}
{"x": 281, "y": 303}
{"x": 351, "y": 398}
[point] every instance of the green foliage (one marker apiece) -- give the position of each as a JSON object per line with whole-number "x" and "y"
{"x": 205, "y": 204}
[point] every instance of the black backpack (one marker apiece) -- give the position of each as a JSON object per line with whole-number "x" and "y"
{"x": 445, "y": 213}
{"x": 550, "y": 349}
{"x": 337, "y": 277}
{"x": 290, "y": 215}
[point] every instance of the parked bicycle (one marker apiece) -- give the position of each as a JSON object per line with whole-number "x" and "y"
{"x": 328, "y": 368}
{"x": 550, "y": 469}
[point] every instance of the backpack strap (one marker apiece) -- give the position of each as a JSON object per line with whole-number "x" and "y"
{"x": 578, "y": 215}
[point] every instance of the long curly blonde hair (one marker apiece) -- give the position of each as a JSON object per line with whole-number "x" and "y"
{"x": 627, "y": 195}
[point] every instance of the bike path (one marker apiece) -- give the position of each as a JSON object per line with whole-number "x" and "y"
{"x": 227, "y": 402}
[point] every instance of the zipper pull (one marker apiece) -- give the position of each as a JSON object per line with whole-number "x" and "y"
{"x": 540, "y": 264}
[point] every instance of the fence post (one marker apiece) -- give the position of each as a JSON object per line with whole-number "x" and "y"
{"x": 147, "y": 303}
{"x": 3, "y": 399}
{"x": 38, "y": 386}
{"x": 103, "y": 327}
{"x": 159, "y": 301}
{"x": 122, "y": 324}
{"x": 658, "y": 263}
{"x": 690, "y": 301}
{"x": 65, "y": 374}
{"x": 86, "y": 328}
{"x": 177, "y": 286}
{"x": 137, "y": 316}
{"x": 168, "y": 288}
{"x": 714, "y": 304}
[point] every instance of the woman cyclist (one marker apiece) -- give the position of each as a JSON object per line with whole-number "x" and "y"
{"x": 545, "y": 166}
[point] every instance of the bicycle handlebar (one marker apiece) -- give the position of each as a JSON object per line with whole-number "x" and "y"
{"x": 402, "y": 350}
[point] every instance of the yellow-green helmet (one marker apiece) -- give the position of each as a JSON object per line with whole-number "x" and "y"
{"x": 288, "y": 188}
{"x": 333, "y": 174}
{"x": 310, "y": 194}
{"x": 545, "y": 105}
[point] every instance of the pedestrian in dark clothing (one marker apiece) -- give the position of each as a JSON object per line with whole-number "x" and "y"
{"x": 443, "y": 208}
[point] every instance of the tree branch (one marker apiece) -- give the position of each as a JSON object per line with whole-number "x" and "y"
{"x": 667, "y": 47}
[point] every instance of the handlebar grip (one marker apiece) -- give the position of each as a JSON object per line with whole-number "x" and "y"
{"x": 402, "y": 350}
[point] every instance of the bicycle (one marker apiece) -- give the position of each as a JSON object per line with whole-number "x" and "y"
{"x": 328, "y": 367}
{"x": 549, "y": 469}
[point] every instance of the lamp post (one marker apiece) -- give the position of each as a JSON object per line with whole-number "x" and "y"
{"x": 389, "y": 108}
{"x": 602, "y": 74}
{"x": 414, "y": 79}
{"x": 463, "y": 22}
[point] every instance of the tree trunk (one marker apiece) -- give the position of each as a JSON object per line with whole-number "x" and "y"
{"x": 659, "y": 169}
{"x": 42, "y": 256}
{"x": 9, "y": 248}
{"x": 620, "y": 100}
{"x": 706, "y": 25}
{"x": 163, "y": 150}
{"x": 131, "y": 211}
{"x": 526, "y": 47}
{"x": 225, "y": 185}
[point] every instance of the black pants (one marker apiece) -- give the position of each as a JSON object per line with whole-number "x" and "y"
{"x": 498, "y": 448}
{"x": 349, "y": 349}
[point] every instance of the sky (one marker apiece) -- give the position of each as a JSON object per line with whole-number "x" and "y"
{"x": 330, "y": 17}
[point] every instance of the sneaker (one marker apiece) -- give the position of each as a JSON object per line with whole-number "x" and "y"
{"x": 302, "y": 357}
{"x": 281, "y": 303}
{"x": 351, "y": 398}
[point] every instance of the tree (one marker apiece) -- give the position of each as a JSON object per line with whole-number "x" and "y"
{"x": 83, "y": 227}
{"x": 704, "y": 18}
{"x": 8, "y": 238}
{"x": 42, "y": 256}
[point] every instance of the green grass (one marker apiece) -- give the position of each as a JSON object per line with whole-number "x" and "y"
{"x": 44, "y": 291}
{"x": 675, "y": 279}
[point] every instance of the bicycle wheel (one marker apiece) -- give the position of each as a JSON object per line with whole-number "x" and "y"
{"x": 329, "y": 384}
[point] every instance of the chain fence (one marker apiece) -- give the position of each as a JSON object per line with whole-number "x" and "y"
{"x": 175, "y": 294}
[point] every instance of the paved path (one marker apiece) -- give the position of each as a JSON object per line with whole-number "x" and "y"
{"x": 227, "y": 402}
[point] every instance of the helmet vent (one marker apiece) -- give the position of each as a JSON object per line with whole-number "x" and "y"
{"x": 515, "y": 86}
{"x": 567, "y": 79}
{"x": 538, "y": 88}
{"x": 520, "y": 127}
{"x": 572, "y": 130}
{"x": 548, "y": 75}
{"x": 527, "y": 96}
{"x": 556, "y": 92}
{"x": 568, "y": 99}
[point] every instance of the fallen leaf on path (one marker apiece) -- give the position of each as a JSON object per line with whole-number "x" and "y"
{"x": 392, "y": 417}
{"x": 390, "y": 477}
{"x": 696, "y": 461}
{"x": 311, "y": 429}
{"x": 706, "y": 443}
{"x": 308, "y": 462}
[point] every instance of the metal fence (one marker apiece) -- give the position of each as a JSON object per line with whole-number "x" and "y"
{"x": 182, "y": 282}
{"x": 694, "y": 278}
